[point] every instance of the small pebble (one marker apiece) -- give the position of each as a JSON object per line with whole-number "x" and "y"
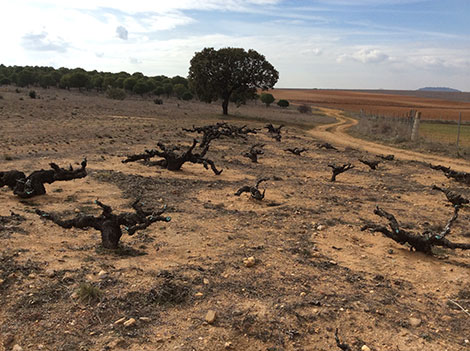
{"x": 414, "y": 322}
{"x": 210, "y": 316}
{"x": 102, "y": 274}
{"x": 249, "y": 262}
{"x": 129, "y": 322}
{"x": 120, "y": 320}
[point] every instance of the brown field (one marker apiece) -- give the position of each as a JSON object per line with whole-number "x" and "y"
{"x": 433, "y": 106}
{"x": 314, "y": 271}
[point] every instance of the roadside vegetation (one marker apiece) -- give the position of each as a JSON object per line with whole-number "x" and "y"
{"x": 434, "y": 136}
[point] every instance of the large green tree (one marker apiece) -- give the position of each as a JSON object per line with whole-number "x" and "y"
{"x": 219, "y": 74}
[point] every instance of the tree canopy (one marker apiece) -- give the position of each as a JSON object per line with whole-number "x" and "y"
{"x": 111, "y": 83}
{"x": 267, "y": 99}
{"x": 221, "y": 74}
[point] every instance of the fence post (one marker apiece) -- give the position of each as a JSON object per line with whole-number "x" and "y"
{"x": 458, "y": 129}
{"x": 415, "y": 130}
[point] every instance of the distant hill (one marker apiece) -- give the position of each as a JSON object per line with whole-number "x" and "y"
{"x": 444, "y": 89}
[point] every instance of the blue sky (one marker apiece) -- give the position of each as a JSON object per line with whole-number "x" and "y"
{"x": 364, "y": 44}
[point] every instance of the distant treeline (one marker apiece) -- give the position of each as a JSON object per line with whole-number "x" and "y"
{"x": 65, "y": 78}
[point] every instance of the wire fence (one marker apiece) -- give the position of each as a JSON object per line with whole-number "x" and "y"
{"x": 449, "y": 130}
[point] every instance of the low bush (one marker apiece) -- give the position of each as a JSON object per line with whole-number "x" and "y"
{"x": 267, "y": 99}
{"x": 32, "y": 94}
{"x": 187, "y": 96}
{"x": 158, "y": 101}
{"x": 283, "y": 103}
{"x": 304, "y": 108}
{"x": 89, "y": 293}
{"x": 115, "y": 94}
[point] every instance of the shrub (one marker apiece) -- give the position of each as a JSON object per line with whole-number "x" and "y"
{"x": 158, "y": 101}
{"x": 116, "y": 94}
{"x": 179, "y": 90}
{"x": 88, "y": 293}
{"x": 283, "y": 103}
{"x": 267, "y": 99}
{"x": 129, "y": 83}
{"x": 159, "y": 90}
{"x": 140, "y": 87}
{"x": 5, "y": 81}
{"x": 17, "y": 91}
{"x": 304, "y": 108}
{"x": 79, "y": 80}
{"x": 32, "y": 94}
{"x": 187, "y": 96}
{"x": 1, "y": 97}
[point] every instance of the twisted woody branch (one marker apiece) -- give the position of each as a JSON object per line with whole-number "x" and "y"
{"x": 108, "y": 223}
{"x": 253, "y": 190}
{"x": 418, "y": 242}
{"x": 33, "y": 185}
{"x": 174, "y": 160}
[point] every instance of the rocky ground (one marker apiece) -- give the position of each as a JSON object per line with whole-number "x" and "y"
{"x": 227, "y": 272}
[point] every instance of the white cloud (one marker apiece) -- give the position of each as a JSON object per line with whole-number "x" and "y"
{"x": 142, "y": 6}
{"x": 122, "y": 32}
{"x": 43, "y": 42}
{"x": 308, "y": 50}
{"x": 134, "y": 61}
{"x": 364, "y": 55}
{"x": 312, "y": 51}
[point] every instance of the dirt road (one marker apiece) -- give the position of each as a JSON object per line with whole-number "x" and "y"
{"x": 336, "y": 133}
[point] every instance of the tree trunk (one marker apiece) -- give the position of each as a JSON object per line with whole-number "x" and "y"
{"x": 110, "y": 234}
{"x": 225, "y": 106}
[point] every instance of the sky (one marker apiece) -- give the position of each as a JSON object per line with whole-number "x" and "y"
{"x": 337, "y": 44}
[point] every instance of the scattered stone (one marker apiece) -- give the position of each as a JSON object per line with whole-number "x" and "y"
{"x": 390, "y": 251}
{"x": 210, "y": 316}
{"x": 334, "y": 263}
{"x": 120, "y": 320}
{"x": 320, "y": 227}
{"x": 199, "y": 294}
{"x": 365, "y": 348}
{"x": 414, "y": 322}
{"x": 102, "y": 274}
{"x": 50, "y": 273}
{"x": 32, "y": 276}
{"x": 116, "y": 343}
{"x": 77, "y": 210}
{"x": 145, "y": 319}
{"x": 17, "y": 348}
{"x": 205, "y": 281}
{"x": 67, "y": 276}
{"x": 228, "y": 345}
{"x": 74, "y": 295}
{"x": 249, "y": 262}
{"x": 2, "y": 281}
{"x": 129, "y": 322}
